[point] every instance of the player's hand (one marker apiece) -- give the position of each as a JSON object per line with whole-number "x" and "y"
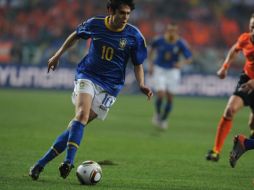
{"x": 52, "y": 63}
{"x": 178, "y": 65}
{"x": 248, "y": 86}
{"x": 147, "y": 91}
{"x": 222, "y": 73}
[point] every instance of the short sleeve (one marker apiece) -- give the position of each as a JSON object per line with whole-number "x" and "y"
{"x": 139, "y": 52}
{"x": 84, "y": 29}
{"x": 241, "y": 41}
{"x": 185, "y": 49}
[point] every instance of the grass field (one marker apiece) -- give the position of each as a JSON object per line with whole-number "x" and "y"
{"x": 146, "y": 159}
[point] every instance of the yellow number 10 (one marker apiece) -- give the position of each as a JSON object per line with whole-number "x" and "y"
{"x": 107, "y": 53}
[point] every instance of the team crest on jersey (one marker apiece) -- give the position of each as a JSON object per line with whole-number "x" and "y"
{"x": 122, "y": 43}
{"x": 167, "y": 56}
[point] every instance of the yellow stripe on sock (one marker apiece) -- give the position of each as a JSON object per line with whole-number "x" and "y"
{"x": 73, "y": 144}
{"x": 57, "y": 153}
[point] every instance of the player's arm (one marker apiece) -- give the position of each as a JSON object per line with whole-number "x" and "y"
{"x": 69, "y": 42}
{"x": 184, "y": 61}
{"x": 222, "y": 72}
{"x": 139, "y": 74}
{"x": 150, "y": 59}
{"x": 187, "y": 55}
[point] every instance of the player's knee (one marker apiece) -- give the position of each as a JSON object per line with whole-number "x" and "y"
{"x": 230, "y": 112}
{"x": 160, "y": 94}
{"x": 82, "y": 116}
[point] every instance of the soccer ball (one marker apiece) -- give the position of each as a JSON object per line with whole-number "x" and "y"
{"x": 89, "y": 173}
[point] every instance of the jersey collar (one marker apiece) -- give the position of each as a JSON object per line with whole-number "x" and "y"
{"x": 106, "y": 21}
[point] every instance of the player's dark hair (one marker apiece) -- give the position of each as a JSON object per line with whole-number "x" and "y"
{"x": 252, "y": 16}
{"x": 115, "y": 4}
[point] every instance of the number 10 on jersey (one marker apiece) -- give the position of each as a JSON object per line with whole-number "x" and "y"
{"x": 107, "y": 53}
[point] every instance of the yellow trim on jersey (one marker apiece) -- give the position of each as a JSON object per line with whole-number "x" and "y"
{"x": 99, "y": 18}
{"x": 106, "y": 21}
{"x": 73, "y": 144}
{"x": 144, "y": 40}
{"x": 57, "y": 153}
{"x": 139, "y": 33}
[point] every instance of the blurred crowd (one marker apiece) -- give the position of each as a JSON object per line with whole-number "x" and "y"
{"x": 31, "y": 30}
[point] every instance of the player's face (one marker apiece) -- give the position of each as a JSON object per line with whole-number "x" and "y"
{"x": 121, "y": 16}
{"x": 171, "y": 32}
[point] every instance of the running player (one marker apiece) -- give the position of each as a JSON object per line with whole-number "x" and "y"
{"x": 99, "y": 76}
{"x": 240, "y": 97}
{"x": 164, "y": 66}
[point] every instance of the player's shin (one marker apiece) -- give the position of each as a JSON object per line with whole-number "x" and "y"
{"x": 167, "y": 110}
{"x": 58, "y": 147}
{"x": 158, "y": 104}
{"x": 75, "y": 137}
{"x": 223, "y": 129}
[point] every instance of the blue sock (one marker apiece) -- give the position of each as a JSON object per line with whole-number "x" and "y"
{"x": 75, "y": 137}
{"x": 58, "y": 147}
{"x": 158, "y": 103}
{"x": 249, "y": 144}
{"x": 167, "y": 110}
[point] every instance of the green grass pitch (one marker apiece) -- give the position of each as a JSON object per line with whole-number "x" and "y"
{"x": 145, "y": 158}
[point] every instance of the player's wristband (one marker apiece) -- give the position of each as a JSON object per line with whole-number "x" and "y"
{"x": 225, "y": 66}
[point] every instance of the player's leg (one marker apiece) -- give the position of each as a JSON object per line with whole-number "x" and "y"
{"x": 167, "y": 110}
{"x": 172, "y": 83}
{"x": 57, "y": 148}
{"x": 239, "y": 148}
{"x": 159, "y": 85}
{"x": 241, "y": 145}
{"x": 76, "y": 130}
{"x": 93, "y": 104}
{"x": 158, "y": 104}
{"x": 235, "y": 103}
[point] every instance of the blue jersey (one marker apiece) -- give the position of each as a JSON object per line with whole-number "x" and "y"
{"x": 109, "y": 53}
{"x": 168, "y": 54}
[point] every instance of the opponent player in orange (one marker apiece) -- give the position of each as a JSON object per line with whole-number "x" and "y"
{"x": 240, "y": 97}
{"x": 242, "y": 143}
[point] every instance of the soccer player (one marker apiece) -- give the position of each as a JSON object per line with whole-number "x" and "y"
{"x": 241, "y": 143}
{"x": 99, "y": 76}
{"x": 164, "y": 66}
{"x": 241, "y": 97}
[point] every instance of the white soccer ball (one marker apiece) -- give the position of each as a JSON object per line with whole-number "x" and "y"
{"x": 89, "y": 173}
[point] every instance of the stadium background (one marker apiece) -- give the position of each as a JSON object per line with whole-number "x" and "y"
{"x": 32, "y": 30}
{"x": 145, "y": 158}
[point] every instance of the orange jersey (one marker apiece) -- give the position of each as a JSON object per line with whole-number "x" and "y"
{"x": 245, "y": 45}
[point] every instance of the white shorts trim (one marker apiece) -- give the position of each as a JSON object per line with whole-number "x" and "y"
{"x": 102, "y": 101}
{"x": 166, "y": 79}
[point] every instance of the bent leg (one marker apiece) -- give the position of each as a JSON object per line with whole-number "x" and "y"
{"x": 57, "y": 148}
{"x": 168, "y": 106}
{"x": 235, "y": 103}
{"x": 158, "y": 102}
{"x": 83, "y": 106}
